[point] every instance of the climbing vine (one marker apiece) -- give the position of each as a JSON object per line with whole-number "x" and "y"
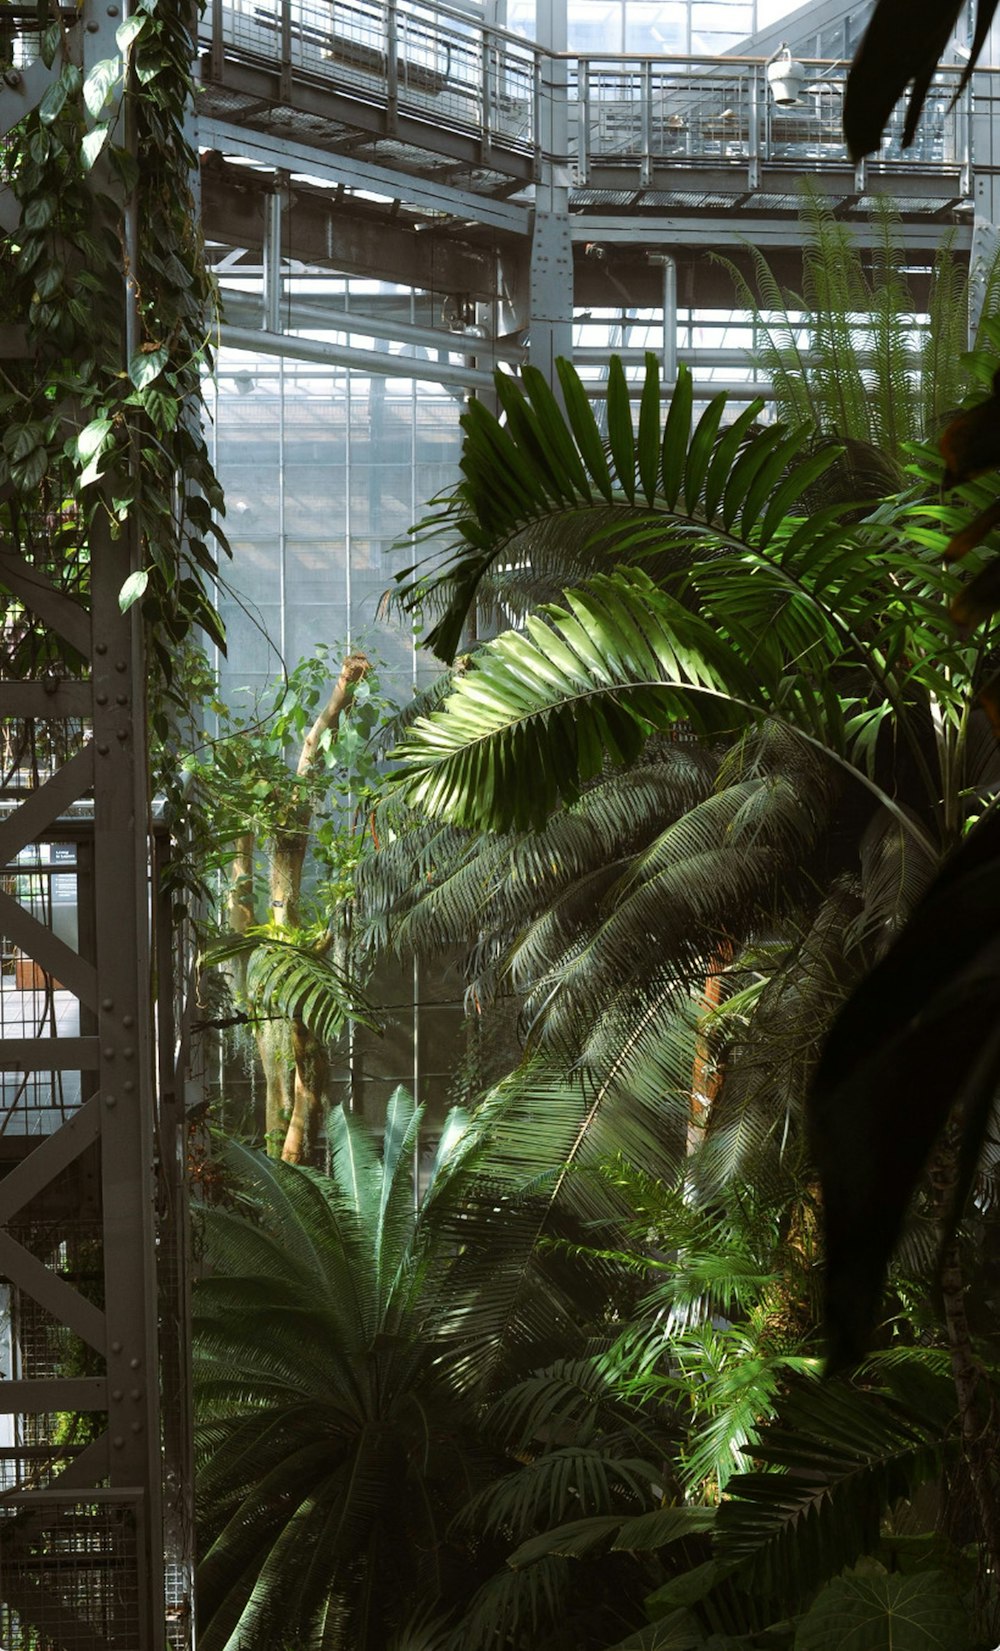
{"x": 106, "y": 272}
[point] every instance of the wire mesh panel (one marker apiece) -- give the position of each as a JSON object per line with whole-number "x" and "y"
{"x": 70, "y": 1573}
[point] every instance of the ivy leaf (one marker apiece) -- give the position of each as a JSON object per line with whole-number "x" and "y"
{"x": 92, "y": 438}
{"x": 39, "y": 212}
{"x": 133, "y": 588}
{"x": 128, "y": 31}
{"x": 146, "y": 365}
{"x": 49, "y": 44}
{"x": 50, "y": 278}
{"x": 97, "y": 86}
{"x": 92, "y": 145}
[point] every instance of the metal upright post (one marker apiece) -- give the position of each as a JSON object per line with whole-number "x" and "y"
{"x": 551, "y": 272}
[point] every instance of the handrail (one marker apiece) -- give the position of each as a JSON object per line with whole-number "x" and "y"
{"x": 449, "y": 70}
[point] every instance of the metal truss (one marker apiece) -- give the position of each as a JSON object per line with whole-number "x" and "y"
{"x": 96, "y": 1513}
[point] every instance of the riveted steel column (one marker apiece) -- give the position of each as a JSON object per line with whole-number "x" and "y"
{"x": 551, "y": 270}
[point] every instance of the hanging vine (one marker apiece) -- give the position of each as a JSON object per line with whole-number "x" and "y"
{"x": 106, "y": 273}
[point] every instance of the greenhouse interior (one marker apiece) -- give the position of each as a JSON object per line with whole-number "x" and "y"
{"x": 500, "y": 976}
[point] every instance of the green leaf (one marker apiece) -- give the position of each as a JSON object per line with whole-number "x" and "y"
{"x": 93, "y": 437}
{"x": 700, "y": 451}
{"x": 648, "y": 446}
{"x": 133, "y": 588}
{"x": 130, "y": 30}
{"x": 879, "y": 1612}
{"x": 146, "y": 365}
{"x": 676, "y": 433}
{"x": 620, "y": 436}
{"x": 584, "y": 427}
{"x": 99, "y": 82}
{"x": 39, "y": 212}
{"x": 52, "y": 104}
{"x": 93, "y": 144}
{"x": 50, "y": 43}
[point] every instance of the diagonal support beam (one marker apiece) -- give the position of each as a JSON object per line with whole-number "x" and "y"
{"x": 44, "y": 806}
{"x": 57, "y": 1297}
{"x": 55, "y": 957}
{"x": 56, "y": 1152}
{"x": 53, "y": 607}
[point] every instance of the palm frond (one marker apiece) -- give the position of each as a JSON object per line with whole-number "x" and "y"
{"x": 847, "y": 1454}
{"x": 291, "y": 979}
{"x": 541, "y": 464}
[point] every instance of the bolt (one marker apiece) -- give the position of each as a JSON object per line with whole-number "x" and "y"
{"x": 116, "y": 1347}
{"x": 134, "y": 1363}
{"x": 100, "y": 647}
{"x": 128, "y": 1020}
{"x": 121, "y": 664}
{"x": 136, "y": 1393}
{"x": 136, "y": 1427}
{"x": 109, "y": 1053}
{"x": 12, "y": 77}
{"x": 118, "y": 1442}
{"x": 92, "y": 28}
{"x": 108, "y": 1003}
{"x": 121, "y": 734}
{"x": 102, "y": 699}
{"x": 102, "y": 750}
{"x": 129, "y": 1085}
{"x": 117, "y": 1394}
{"x": 121, "y": 699}
{"x": 110, "y": 1100}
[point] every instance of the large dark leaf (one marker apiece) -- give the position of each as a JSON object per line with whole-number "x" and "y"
{"x": 902, "y": 44}
{"x": 877, "y": 1612}
{"x": 921, "y": 1034}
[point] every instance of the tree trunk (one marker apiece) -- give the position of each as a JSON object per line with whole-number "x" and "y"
{"x": 311, "y": 1067}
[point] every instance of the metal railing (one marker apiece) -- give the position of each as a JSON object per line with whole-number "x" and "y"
{"x": 453, "y": 71}
{"x": 415, "y": 57}
{"x": 693, "y": 112}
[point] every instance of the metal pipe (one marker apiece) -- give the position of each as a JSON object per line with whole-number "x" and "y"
{"x": 376, "y": 362}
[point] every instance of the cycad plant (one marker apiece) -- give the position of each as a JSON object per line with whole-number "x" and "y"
{"x": 347, "y": 1333}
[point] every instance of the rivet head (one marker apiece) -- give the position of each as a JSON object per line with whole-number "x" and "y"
{"x": 111, "y": 1100}
{"x": 136, "y": 1393}
{"x": 117, "y": 1394}
{"x": 121, "y": 734}
{"x": 102, "y": 699}
{"x": 116, "y": 1347}
{"x": 118, "y": 1442}
{"x": 134, "y": 1363}
{"x": 136, "y": 1427}
{"x": 128, "y": 1053}
{"x": 128, "y": 1086}
{"x": 121, "y": 699}
{"x": 108, "y": 1004}
{"x": 128, "y": 1020}
{"x": 108, "y": 1052}
{"x": 100, "y": 647}
{"x": 121, "y": 664}
{"x": 102, "y": 750}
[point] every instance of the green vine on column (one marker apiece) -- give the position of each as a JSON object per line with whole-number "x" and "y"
{"x": 91, "y": 423}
